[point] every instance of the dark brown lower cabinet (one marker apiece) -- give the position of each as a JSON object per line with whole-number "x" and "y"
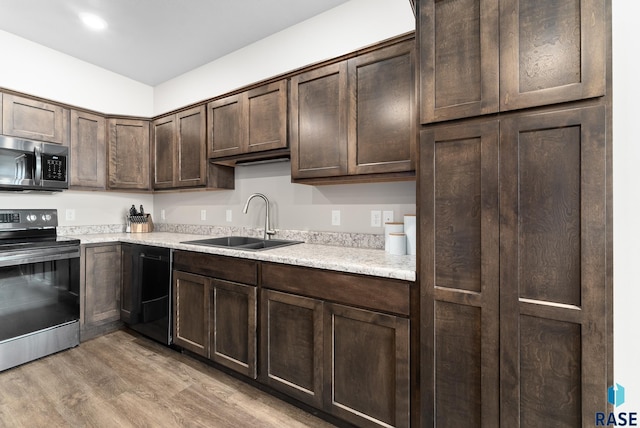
{"x": 293, "y": 344}
{"x": 366, "y": 366}
{"x": 513, "y": 217}
{"x": 215, "y": 315}
{"x": 350, "y": 362}
{"x": 190, "y": 312}
{"x": 233, "y": 326}
{"x": 101, "y": 288}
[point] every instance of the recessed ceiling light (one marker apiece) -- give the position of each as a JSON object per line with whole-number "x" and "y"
{"x": 93, "y": 21}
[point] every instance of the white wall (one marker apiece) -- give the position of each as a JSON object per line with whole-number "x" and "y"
{"x": 626, "y": 200}
{"x": 344, "y": 29}
{"x": 37, "y": 70}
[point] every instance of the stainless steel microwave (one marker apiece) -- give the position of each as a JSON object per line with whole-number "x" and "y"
{"x": 27, "y": 165}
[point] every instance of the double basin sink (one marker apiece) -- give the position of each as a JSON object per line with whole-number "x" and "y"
{"x": 242, "y": 243}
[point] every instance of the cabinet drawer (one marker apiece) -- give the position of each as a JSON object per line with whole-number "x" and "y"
{"x": 380, "y": 294}
{"x": 221, "y": 267}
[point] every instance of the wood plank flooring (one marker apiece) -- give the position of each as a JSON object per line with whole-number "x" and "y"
{"x": 123, "y": 380}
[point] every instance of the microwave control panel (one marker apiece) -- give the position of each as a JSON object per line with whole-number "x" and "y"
{"x": 54, "y": 168}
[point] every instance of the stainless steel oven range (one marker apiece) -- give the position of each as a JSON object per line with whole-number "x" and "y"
{"x": 39, "y": 287}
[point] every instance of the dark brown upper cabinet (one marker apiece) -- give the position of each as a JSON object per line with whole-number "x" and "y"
{"x": 88, "y": 151}
{"x": 318, "y": 120}
{"x": 128, "y": 154}
{"x": 355, "y": 117}
{"x": 249, "y": 122}
{"x": 485, "y": 56}
{"x": 34, "y": 119}
{"x": 179, "y": 147}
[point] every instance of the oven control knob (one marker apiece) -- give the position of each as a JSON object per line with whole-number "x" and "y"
{"x": 31, "y": 218}
{"x": 46, "y": 217}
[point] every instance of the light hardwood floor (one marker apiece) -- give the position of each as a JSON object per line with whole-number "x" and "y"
{"x": 123, "y": 380}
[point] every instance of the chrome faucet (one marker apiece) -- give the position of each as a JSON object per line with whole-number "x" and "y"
{"x": 267, "y": 232}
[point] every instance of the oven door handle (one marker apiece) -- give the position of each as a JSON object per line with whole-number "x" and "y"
{"x": 28, "y": 256}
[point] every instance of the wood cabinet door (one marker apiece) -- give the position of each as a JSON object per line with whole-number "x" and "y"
{"x": 382, "y": 126}
{"x": 459, "y": 46}
{"x": 366, "y": 366}
{"x": 459, "y": 275}
{"x": 88, "y": 151}
{"x": 553, "y": 267}
{"x": 265, "y": 112}
{"x": 163, "y": 137}
{"x": 191, "y": 148}
{"x": 551, "y": 51}
{"x": 38, "y": 120}
{"x": 129, "y": 157}
{"x": 102, "y": 284}
{"x": 292, "y": 347}
{"x": 318, "y": 120}
{"x": 226, "y": 133}
{"x": 191, "y": 308}
{"x": 233, "y": 335}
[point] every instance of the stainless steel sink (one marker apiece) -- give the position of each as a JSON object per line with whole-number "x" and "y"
{"x": 242, "y": 243}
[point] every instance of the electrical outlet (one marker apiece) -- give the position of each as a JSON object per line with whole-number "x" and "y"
{"x": 203, "y": 215}
{"x": 70, "y": 214}
{"x": 229, "y": 215}
{"x": 376, "y": 218}
{"x": 163, "y": 215}
{"x": 387, "y": 217}
{"x": 335, "y": 217}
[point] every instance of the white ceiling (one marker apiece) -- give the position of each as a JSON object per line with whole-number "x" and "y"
{"x": 152, "y": 41}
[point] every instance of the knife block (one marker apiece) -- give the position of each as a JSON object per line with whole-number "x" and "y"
{"x": 141, "y": 223}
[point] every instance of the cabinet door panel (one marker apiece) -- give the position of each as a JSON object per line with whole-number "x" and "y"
{"x": 266, "y": 112}
{"x": 129, "y": 154}
{"x": 233, "y": 333}
{"x": 191, "y": 148}
{"x": 551, "y": 51}
{"x": 102, "y": 284}
{"x": 191, "y": 312}
{"x": 459, "y": 274}
{"x": 553, "y": 276}
{"x": 367, "y": 366}
{"x": 226, "y": 134}
{"x": 27, "y": 118}
{"x": 459, "y": 63}
{"x": 88, "y": 150}
{"x": 292, "y": 345}
{"x": 164, "y": 130}
{"x": 319, "y": 122}
{"x": 382, "y": 135}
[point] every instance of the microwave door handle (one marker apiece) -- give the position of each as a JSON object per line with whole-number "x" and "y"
{"x": 38, "y": 174}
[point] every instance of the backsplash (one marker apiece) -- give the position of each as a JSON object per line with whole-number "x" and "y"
{"x": 342, "y": 239}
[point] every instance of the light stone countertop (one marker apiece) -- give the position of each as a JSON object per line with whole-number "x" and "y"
{"x": 343, "y": 259}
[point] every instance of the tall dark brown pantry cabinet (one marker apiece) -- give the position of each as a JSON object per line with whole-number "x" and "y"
{"x": 514, "y": 206}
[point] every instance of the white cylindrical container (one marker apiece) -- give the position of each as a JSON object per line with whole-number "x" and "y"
{"x": 391, "y": 228}
{"x": 397, "y": 244}
{"x": 410, "y": 231}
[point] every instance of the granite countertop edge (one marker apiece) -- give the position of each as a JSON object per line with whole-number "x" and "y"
{"x": 372, "y": 262}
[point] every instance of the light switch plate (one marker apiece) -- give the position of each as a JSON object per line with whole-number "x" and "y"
{"x": 335, "y": 217}
{"x": 163, "y": 215}
{"x": 203, "y": 215}
{"x": 229, "y": 215}
{"x": 70, "y": 214}
{"x": 376, "y": 218}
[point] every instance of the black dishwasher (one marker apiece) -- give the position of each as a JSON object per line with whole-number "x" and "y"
{"x": 146, "y": 291}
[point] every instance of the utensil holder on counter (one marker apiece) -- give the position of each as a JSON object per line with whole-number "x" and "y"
{"x": 140, "y": 223}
